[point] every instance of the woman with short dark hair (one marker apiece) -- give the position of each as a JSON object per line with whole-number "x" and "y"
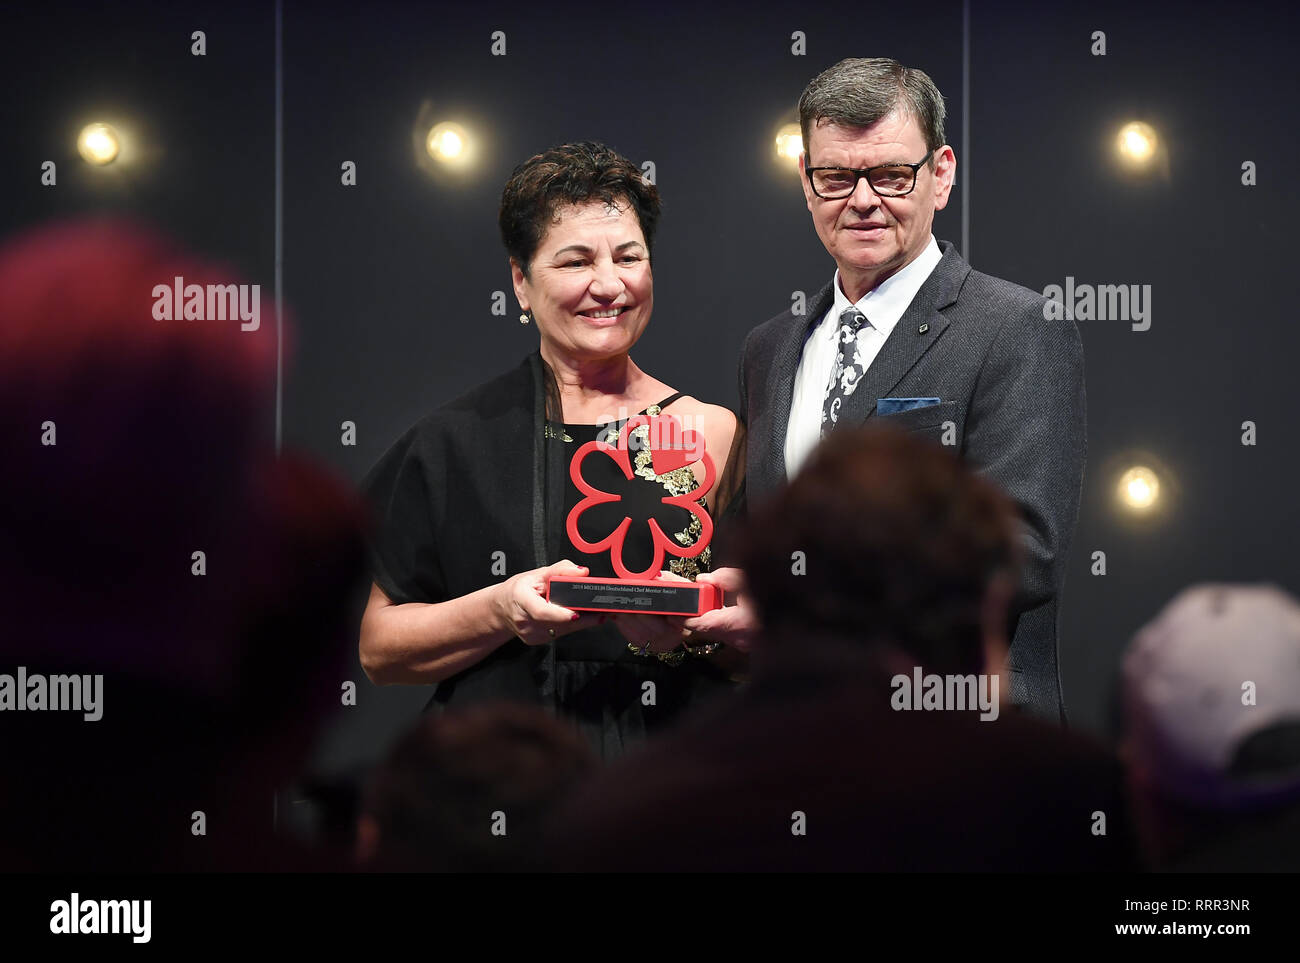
{"x": 484, "y": 481}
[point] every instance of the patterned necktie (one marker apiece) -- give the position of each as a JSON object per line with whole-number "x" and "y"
{"x": 849, "y": 368}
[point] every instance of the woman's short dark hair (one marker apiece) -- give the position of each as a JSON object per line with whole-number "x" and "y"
{"x": 900, "y": 542}
{"x": 568, "y": 175}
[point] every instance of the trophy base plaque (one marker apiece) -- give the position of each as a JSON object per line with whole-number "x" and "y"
{"x": 638, "y": 596}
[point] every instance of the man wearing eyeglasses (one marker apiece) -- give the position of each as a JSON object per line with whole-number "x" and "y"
{"x": 907, "y": 333}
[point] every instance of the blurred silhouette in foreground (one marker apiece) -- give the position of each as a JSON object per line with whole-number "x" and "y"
{"x": 467, "y": 790}
{"x": 216, "y": 669}
{"x": 1212, "y": 730}
{"x": 827, "y": 760}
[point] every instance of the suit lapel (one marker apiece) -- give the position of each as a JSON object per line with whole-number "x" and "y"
{"x": 785, "y": 363}
{"x": 918, "y": 328}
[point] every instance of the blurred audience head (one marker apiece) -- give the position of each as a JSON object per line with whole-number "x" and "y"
{"x": 141, "y": 443}
{"x": 889, "y": 538}
{"x": 469, "y": 790}
{"x": 1211, "y": 694}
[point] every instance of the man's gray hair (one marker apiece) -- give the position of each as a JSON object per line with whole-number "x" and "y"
{"x": 859, "y": 91}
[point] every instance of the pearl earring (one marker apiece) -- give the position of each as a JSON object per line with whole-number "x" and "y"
{"x": 523, "y": 318}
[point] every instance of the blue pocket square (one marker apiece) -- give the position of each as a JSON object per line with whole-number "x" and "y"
{"x": 892, "y": 406}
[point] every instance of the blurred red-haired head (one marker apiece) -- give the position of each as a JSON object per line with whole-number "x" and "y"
{"x": 162, "y": 436}
{"x": 163, "y": 447}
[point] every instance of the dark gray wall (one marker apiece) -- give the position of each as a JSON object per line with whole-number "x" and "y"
{"x": 390, "y": 282}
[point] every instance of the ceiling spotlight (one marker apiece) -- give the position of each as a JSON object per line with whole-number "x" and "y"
{"x": 1139, "y": 488}
{"x": 447, "y": 142}
{"x": 1137, "y": 143}
{"x": 789, "y": 142}
{"x": 98, "y": 144}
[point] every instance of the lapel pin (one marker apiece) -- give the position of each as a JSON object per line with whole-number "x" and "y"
{"x": 923, "y": 328}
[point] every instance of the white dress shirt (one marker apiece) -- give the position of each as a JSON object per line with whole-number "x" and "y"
{"x": 882, "y": 306}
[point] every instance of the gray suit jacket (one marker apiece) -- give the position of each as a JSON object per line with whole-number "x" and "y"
{"x": 1012, "y": 384}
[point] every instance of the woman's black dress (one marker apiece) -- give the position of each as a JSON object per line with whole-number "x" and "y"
{"x": 457, "y": 498}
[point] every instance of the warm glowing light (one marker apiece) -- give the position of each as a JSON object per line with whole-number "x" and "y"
{"x": 1137, "y": 142}
{"x": 447, "y": 142}
{"x": 789, "y": 142}
{"x": 98, "y": 144}
{"x": 1139, "y": 488}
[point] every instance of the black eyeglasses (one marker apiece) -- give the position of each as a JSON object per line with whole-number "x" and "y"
{"x": 887, "y": 180}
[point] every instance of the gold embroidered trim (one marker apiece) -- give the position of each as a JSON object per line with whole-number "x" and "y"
{"x": 679, "y": 481}
{"x": 549, "y": 432}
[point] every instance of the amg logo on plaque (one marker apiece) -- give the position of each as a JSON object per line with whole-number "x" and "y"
{"x": 647, "y": 591}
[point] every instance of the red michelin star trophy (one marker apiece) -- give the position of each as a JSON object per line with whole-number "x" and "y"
{"x": 647, "y": 592}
